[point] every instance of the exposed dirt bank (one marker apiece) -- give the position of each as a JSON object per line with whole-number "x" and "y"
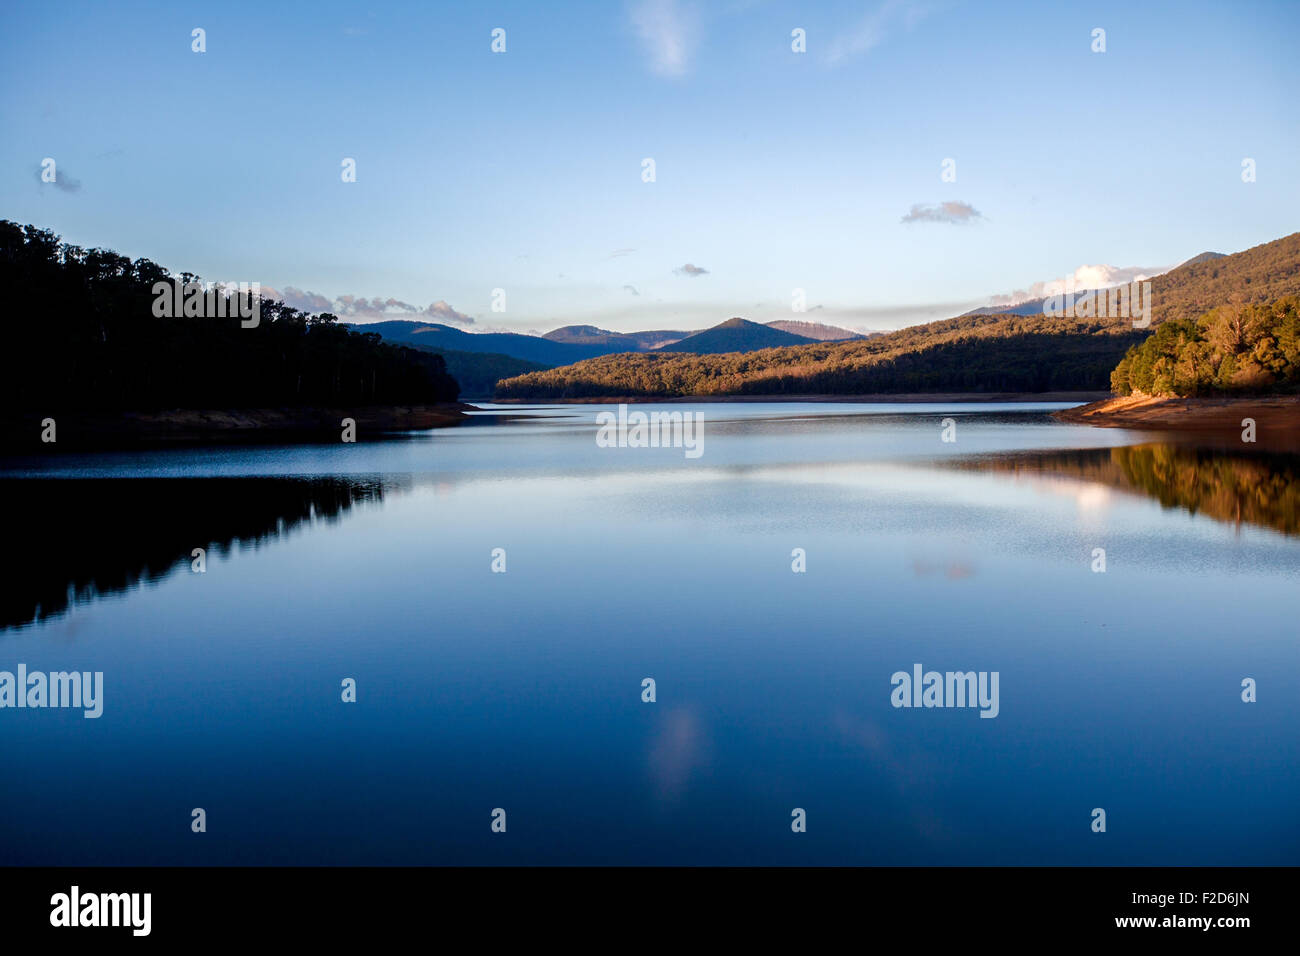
{"x": 1277, "y": 419}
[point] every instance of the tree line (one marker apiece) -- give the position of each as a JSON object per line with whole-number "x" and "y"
{"x": 83, "y": 335}
{"x": 1233, "y": 349}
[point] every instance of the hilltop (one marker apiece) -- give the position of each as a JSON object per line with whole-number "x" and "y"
{"x": 615, "y": 341}
{"x": 817, "y": 331}
{"x": 734, "y": 335}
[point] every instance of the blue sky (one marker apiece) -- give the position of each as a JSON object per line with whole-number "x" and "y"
{"x": 775, "y": 170}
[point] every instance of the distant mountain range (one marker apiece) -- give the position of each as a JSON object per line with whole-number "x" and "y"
{"x": 477, "y": 360}
{"x": 530, "y": 348}
{"x": 1007, "y": 357}
{"x": 1007, "y": 351}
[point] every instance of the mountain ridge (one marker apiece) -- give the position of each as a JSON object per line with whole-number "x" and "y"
{"x": 734, "y": 335}
{"x": 574, "y": 343}
{"x": 975, "y": 352}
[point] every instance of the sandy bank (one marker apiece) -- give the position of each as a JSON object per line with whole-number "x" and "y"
{"x": 1277, "y": 419}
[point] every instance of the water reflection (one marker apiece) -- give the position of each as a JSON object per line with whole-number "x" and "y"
{"x": 1260, "y": 489}
{"x": 70, "y": 541}
{"x": 523, "y": 690}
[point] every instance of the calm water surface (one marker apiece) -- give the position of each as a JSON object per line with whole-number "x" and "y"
{"x": 522, "y": 690}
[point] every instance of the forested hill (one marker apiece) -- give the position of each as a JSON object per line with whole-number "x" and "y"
{"x": 477, "y": 373}
{"x": 997, "y": 353}
{"x": 1230, "y": 350}
{"x": 82, "y": 334}
{"x": 972, "y": 353}
{"x": 735, "y": 335}
{"x": 1260, "y": 274}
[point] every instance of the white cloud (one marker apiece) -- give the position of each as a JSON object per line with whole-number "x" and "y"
{"x": 360, "y": 309}
{"x": 872, "y": 30}
{"x": 1085, "y": 277}
{"x": 668, "y": 32}
{"x": 951, "y": 212}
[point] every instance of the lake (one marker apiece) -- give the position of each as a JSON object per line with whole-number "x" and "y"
{"x": 521, "y": 687}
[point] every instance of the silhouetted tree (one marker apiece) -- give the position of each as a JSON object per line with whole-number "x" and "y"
{"x": 82, "y": 335}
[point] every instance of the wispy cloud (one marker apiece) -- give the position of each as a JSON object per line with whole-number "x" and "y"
{"x": 875, "y": 27}
{"x": 950, "y": 212}
{"x": 361, "y": 309}
{"x": 619, "y": 253}
{"x": 669, "y": 33}
{"x": 691, "y": 271}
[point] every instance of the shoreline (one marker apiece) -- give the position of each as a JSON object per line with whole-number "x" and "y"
{"x": 188, "y": 426}
{"x": 1277, "y": 418}
{"x": 906, "y": 398}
